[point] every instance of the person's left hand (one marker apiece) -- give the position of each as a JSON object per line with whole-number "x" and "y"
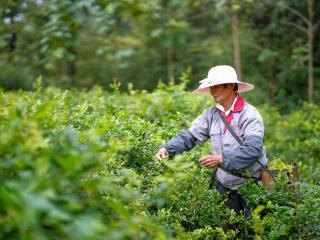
{"x": 211, "y": 161}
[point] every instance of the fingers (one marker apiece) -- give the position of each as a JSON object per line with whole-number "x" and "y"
{"x": 162, "y": 153}
{"x": 207, "y": 159}
{"x": 210, "y": 161}
{"x": 203, "y": 158}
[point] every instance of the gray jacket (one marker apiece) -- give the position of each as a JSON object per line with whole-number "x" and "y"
{"x": 247, "y": 124}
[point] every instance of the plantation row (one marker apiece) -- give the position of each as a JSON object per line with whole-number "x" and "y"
{"x": 80, "y": 165}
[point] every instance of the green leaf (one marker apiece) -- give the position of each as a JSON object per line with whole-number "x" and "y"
{"x": 58, "y": 53}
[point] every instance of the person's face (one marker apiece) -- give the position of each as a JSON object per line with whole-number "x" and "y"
{"x": 222, "y": 93}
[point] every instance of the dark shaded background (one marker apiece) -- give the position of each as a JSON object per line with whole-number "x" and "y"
{"x": 82, "y": 43}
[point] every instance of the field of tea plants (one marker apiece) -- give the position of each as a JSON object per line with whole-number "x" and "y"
{"x": 80, "y": 165}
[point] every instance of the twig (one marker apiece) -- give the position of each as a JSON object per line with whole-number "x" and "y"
{"x": 303, "y": 29}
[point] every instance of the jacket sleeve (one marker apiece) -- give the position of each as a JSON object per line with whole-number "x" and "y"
{"x": 183, "y": 141}
{"x": 187, "y": 139}
{"x": 252, "y": 145}
{"x": 200, "y": 128}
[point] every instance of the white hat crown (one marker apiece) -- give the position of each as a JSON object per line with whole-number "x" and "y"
{"x": 223, "y": 73}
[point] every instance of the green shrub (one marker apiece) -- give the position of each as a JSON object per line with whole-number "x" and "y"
{"x": 80, "y": 165}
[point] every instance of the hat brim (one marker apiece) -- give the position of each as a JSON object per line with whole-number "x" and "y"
{"x": 242, "y": 87}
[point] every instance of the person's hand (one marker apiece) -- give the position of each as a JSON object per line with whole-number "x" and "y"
{"x": 211, "y": 161}
{"x": 162, "y": 154}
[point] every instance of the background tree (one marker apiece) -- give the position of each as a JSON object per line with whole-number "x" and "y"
{"x": 84, "y": 43}
{"x": 307, "y": 26}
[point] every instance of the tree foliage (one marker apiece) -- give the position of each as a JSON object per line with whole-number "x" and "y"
{"x": 85, "y": 43}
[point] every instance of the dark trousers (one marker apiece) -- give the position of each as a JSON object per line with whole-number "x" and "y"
{"x": 234, "y": 200}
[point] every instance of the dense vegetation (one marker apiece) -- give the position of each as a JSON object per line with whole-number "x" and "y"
{"x": 81, "y": 43}
{"x": 80, "y": 165}
{"x": 77, "y": 161}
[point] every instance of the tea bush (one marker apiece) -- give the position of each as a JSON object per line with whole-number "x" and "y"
{"x": 80, "y": 165}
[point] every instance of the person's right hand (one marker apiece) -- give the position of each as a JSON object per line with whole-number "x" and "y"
{"x": 162, "y": 154}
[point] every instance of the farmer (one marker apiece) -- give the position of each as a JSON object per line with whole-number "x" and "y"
{"x": 235, "y": 129}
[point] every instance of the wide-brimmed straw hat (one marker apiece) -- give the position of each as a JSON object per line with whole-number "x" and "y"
{"x": 222, "y": 74}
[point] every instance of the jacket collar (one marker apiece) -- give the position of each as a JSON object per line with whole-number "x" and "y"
{"x": 238, "y": 107}
{"x": 239, "y": 104}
